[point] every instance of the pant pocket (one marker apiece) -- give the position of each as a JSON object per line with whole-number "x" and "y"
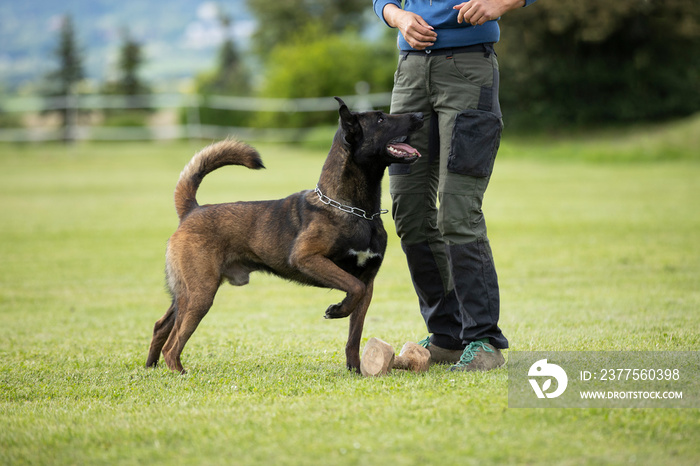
{"x": 476, "y": 136}
{"x": 399, "y": 169}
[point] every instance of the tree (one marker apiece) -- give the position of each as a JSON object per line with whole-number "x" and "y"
{"x": 62, "y": 81}
{"x": 317, "y": 65}
{"x": 280, "y": 22}
{"x": 598, "y": 61}
{"x": 230, "y": 77}
{"x": 130, "y": 60}
{"x": 128, "y": 84}
{"x": 70, "y": 62}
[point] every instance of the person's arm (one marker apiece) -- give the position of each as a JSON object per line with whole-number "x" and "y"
{"x": 477, "y": 12}
{"x": 413, "y": 27}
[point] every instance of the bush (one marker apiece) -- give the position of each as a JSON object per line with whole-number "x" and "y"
{"x": 126, "y": 118}
{"x": 10, "y": 120}
{"x": 315, "y": 66}
{"x": 598, "y": 61}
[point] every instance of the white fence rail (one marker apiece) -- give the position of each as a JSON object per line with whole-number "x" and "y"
{"x": 192, "y": 128}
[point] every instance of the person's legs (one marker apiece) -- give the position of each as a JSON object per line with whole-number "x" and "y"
{"x": 447, "y": 249}
{"x": 414, "y": 193}
{"x": 469, "y": 113}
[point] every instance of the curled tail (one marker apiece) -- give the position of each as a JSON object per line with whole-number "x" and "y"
{"x": 219, "y": 154}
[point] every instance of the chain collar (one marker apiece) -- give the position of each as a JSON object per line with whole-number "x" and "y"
{"x": 346, "y": 208}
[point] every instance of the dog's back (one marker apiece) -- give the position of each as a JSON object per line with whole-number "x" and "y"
{"x": 256, "y": 236}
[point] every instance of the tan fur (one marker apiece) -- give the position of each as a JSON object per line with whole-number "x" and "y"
{"x": 219, "y": 154}
{"x": 298, "y": 238}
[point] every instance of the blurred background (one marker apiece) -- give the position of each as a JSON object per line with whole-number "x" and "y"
{"x": 129, "y": 69}
{"x": 592, "y": 214}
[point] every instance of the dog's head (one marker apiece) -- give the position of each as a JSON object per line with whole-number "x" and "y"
{"x": 374, "y": 137}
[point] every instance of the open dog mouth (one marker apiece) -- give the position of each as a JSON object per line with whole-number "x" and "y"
{"x": 397, "y": 148}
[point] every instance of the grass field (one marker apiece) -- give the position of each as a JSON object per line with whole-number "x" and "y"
{"x": 595, "y": 240}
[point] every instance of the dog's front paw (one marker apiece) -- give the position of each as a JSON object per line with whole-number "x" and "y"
{"x": 337, "y": 311}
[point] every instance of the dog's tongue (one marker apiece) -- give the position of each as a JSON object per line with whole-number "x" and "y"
{"x": 403, "y": 150}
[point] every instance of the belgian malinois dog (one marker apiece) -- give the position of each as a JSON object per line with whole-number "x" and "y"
{"x": 330, "y": 237}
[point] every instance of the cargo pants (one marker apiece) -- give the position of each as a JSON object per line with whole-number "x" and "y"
{"x": 446, "y": 246}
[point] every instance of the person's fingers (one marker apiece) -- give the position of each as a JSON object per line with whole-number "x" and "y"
{"x": 422, "y": 28}
{"x": 465, "y": 12}
{"x": 418, "y": 33}
{"x": 463, "y": 9}
{"x": 474, "y": 13}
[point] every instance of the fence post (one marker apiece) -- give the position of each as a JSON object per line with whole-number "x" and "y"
{"x": 362, "y": 104}
{"x": 70, "y": 116}
{"x": 194, "y": 125}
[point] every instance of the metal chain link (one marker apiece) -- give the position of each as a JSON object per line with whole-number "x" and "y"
{"x": 346, "y": 208}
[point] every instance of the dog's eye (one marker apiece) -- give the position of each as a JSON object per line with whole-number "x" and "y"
{"x": 380, "y": 118}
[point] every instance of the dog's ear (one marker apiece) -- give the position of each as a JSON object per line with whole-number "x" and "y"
{"x": 349, "y": 123}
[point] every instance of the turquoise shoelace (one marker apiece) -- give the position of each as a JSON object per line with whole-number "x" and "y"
{"x": 470, "y": 352}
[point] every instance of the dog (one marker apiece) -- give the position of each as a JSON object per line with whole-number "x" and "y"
{"x": 329, "y": 237}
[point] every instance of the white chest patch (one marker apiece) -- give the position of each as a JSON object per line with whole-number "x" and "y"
{"x": 363, "y": 256}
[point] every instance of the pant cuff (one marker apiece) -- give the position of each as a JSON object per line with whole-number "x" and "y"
{"x": 444, "y": 341}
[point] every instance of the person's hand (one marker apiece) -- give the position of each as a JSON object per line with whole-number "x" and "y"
{"x": 413, "y": 27}
{"x": 477, "y": 12}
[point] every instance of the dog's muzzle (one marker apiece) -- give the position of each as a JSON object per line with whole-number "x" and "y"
{"x": 398, "y": 149}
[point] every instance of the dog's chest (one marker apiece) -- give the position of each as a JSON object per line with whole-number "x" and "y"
{"x": 363, "y": 248}
{"x": 363, "y": 256}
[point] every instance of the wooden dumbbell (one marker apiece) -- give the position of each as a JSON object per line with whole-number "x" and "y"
{"x": 413, "y": 357}
{"x": 377, "y": 358}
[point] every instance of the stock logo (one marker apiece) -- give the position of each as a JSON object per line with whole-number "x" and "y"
{"x": 542, "y": 368}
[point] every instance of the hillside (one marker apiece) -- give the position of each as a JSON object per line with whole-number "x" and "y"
{"x": 179, "y": 36}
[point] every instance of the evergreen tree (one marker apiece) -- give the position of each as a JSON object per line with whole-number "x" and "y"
{"x": 62, "y": 81}
{"x": 128, "y": 84}
{"x": 70, "y": 62}
{"x": 230, "y": 77}
{"x": 130, "y": 60}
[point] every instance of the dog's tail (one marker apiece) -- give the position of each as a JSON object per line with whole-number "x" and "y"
{"x": 219, "y": 154}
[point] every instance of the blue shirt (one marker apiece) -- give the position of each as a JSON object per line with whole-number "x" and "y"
{"x": 440, "y": 15}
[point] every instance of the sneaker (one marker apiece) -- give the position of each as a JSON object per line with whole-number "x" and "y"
{"x": 440, "y": 355}
{"x": 479, "y": 356}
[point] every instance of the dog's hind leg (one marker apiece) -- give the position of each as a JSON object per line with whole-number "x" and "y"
{"x": 190, "y": 313}
{"x": 160, "y": 334}
{"x": 357, "y": 322}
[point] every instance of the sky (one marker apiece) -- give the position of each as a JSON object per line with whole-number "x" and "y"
{"x": 179, "y": 38}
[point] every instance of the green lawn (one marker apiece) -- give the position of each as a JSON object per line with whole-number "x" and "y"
{"x": 597, "y": 245}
